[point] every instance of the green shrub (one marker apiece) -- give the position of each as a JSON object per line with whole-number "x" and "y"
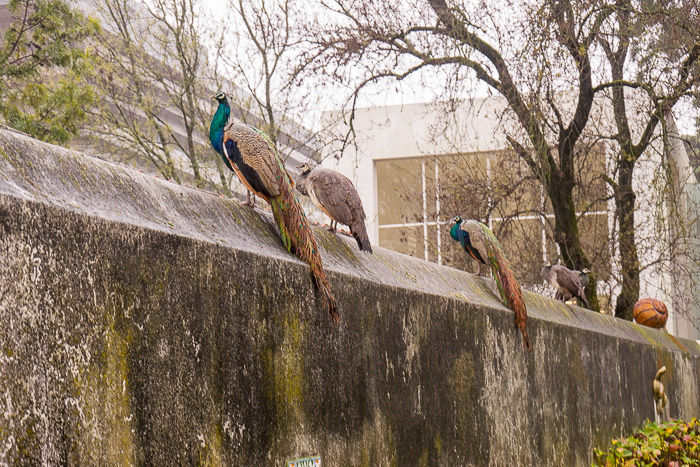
{"x": 672, "y": 443}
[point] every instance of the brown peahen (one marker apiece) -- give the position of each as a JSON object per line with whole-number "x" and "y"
{"x": 482, "y": 245}
{"x": 252, "y": 156}
{"x": 334, "y": 194}
{"x": 568, "y": 283}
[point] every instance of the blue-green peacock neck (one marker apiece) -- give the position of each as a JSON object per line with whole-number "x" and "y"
{"x": 454, "y": 231}
{"x": 218, "y": 123}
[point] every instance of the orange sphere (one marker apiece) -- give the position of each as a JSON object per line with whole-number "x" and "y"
{"x": 650, "y": 312}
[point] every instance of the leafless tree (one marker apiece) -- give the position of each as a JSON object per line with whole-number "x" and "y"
{"x": 259, "y": 43}
{"x": 156, "y": 77}
{"x": 548, "y": 61}
{"x": 475, "y": 40}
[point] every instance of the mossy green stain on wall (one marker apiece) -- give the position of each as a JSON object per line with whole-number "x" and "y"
{"x": 437, "y": 443}
{"x": 335, "y": 247}
{"x": 578, "y": 372}
{"x": 211, "y": 447}
{"x": 646, "y": 332}
{"x": 287, "y": 373}
{"x": 104, "y": 388}
{"x": 376, "y": 444}
{"x": 678, "y": 343}
{"x": 423, "y": 462}
{"x": 283, "y": 365}
{"x": 462, "y": 384}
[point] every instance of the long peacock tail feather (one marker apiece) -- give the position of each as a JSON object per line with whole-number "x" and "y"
{"x": 298, "y": 239}
{"x": 508, "y": 285}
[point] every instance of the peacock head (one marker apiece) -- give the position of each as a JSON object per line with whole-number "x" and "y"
{"x": 586, "y": 271}
{"x": 454, "y": 231}
{"x": 220, "y": 96}
{"x": 303, "y": 168}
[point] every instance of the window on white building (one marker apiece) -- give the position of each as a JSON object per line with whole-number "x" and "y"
{"x": 417, "y": 198}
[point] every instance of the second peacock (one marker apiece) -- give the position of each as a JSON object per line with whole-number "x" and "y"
{"x": 482, "y": 245}
{"x": 252, "y": 156}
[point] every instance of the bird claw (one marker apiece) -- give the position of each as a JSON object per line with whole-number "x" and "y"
{"x": 249, "y": 199}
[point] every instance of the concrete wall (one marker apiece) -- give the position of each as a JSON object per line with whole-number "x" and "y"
{"x": 146, "y": 323}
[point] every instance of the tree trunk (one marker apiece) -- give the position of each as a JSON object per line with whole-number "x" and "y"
{"x": 623, "y": 192}
{"x": 222, "y": 177}
{"x": 629, "y": 261}
{"x": 566, "y": 234}
{"x": 190, "y": 117}
{"x": 168, "y": 170}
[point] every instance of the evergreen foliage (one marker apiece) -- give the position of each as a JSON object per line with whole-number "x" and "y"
{"x": 44, "y": 63}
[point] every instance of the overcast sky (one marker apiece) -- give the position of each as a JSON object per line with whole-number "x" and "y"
{"x": 412, "y": 90}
